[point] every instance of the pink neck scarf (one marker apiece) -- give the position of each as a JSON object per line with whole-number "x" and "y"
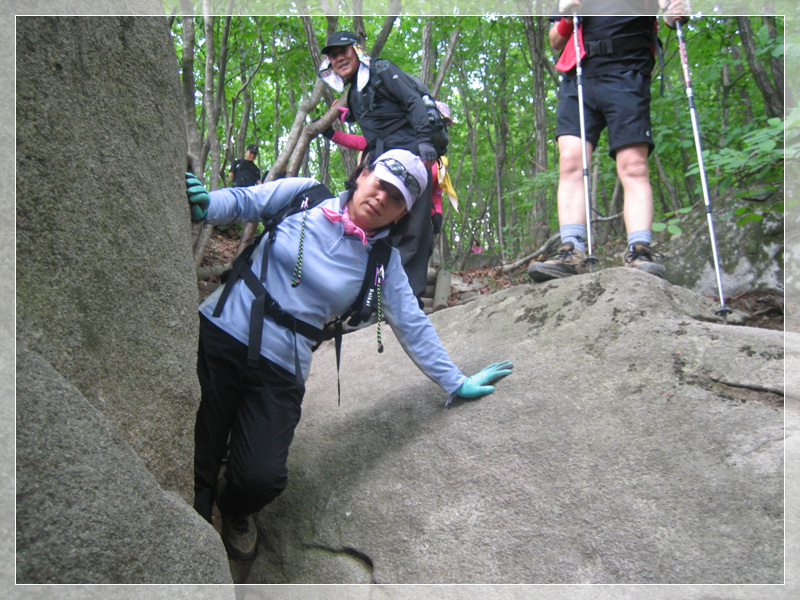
{"x": 350, "y": 228}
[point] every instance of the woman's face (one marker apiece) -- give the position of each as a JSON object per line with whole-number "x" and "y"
{"x": 375, "y": 203}
{"x": 344, "y": 61}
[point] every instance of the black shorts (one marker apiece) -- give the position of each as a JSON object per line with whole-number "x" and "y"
{"x": 619, "y": 101}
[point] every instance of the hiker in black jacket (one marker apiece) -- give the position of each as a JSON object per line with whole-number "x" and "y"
{"x": 245, "y": 172}
{"x": 387, "y": 106}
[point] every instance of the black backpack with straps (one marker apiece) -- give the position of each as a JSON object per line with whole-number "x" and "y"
{"x": 438, "y": 124}
{"x": 264, "y": 305}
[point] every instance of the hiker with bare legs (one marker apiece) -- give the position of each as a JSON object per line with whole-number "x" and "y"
{"x": 611, "y": 75}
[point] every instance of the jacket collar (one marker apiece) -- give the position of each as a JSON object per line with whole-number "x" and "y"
{"x": 327, "y": 74}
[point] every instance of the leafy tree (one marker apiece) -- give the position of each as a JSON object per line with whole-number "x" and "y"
{"x": 252, "y": 79}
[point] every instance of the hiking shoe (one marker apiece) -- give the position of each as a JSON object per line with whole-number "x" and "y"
{"x": 642, "y": 258}
{"x": 239, "y": 535}
{"x": 567, "y": 261}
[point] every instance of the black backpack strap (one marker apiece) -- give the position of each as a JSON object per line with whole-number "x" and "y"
{"x": 240, "y": 264}
{"x": 616, "y": 45}
{"x": 304, "y": 200}
{"x": 308, "y": 198}
{"x": 264, "y": 305}
{"x": 366, "y": 301}
{"x": 364, "y": 306}
{"x": 337, "y": 336}
{"x": 313, "y": 195}
{"x": 373, "y": 85}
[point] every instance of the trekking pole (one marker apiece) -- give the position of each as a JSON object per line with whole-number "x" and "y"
{"x": 723, "y": 310}
{"x": 590, "y": 258}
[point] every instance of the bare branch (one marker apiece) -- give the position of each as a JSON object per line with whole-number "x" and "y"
{"x": 380, "y": 41}
{"x": 542, "y": 250}
{"x": 448, "y": 59}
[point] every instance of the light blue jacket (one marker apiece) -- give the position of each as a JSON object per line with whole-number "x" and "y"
{"x": 333, "y": 270}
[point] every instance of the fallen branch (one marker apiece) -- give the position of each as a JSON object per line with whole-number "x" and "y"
{"x": 553, "y": 239}
{"x": 602, "y": 219}
{"x": 206, "y": 273}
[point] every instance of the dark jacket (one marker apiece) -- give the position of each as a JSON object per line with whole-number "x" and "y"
{"x": 389, "y": 108}
{"x": 245, "y": 173}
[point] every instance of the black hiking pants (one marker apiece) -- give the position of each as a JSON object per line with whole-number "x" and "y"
{"x": 246, "y": 413}
{"x": 416, "y": 246}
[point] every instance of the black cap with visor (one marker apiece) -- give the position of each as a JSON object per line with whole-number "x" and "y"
{"x": 340, "y": 38}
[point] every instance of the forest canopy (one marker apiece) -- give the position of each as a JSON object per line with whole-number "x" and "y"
{"x": 252, "y": 79}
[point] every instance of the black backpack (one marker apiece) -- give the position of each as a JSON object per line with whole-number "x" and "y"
{"x": 361, "y": 310}
{"x": 439, "y": 135}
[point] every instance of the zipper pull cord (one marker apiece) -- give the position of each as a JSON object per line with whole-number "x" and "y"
{"x": 298, "y": 267}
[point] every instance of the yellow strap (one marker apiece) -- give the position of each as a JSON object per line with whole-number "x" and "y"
{"x": 446, "y": 184}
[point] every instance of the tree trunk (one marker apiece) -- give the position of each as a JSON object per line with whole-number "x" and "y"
{"x": 211, "y": 144}
{"x": 455, "y": 33}
{"x": 682, "y": 116}
{"x": 675, "y": 205}
{"x": 535, "y": 30}
{"x": 773, "y": 101}
{"x": 428, "y": 54}
{"x": 745, "y": 104}
{"x": 247, "y": 102}
{"x": 395, "y": 6}
{"x": 775, "y": 62}
{"x": 188, "y": 85}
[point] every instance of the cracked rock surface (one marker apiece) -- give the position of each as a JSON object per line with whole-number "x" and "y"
{"x": 639, "y": 440}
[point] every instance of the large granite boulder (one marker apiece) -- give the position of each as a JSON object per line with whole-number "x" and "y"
{"x": 105, "y": 278}
{"x": 88, "y": 510}
{"x": 639, "y": 440}
{"x": 750, "y": 255}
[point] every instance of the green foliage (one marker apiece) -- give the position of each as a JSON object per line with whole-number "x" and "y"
{"x": 672, "y": 220}
{"x": 489, "y": 90}
{"x": 756, "y": 156}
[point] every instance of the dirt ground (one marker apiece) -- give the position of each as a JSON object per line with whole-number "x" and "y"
{"x": 765, "y": 307}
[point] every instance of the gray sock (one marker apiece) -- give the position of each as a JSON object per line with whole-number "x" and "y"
{"x": 643, "y": 235}
{"x": 575, "y": 233}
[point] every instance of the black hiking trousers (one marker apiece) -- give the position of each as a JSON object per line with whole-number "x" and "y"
{"x": 416, "y": 245}
{"x": 246, "y": 413}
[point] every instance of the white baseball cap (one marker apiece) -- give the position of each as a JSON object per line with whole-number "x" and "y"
{"x": 405, "y": 171}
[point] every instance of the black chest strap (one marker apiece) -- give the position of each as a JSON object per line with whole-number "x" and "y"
{"x": 263, "y": 304}
{"x": 367, "y": 301}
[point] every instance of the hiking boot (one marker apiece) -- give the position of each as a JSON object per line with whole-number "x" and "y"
{"x": 567, "y": 261}
{"x": 239, "y": 534}
{"x": 642, "y": 258}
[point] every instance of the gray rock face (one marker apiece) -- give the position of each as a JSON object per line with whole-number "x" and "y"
{"x": 750, "y": 255}
{"x": 636, "y": 441}
{"x": 105, "y": 286}
{"x": 88, "y": 511}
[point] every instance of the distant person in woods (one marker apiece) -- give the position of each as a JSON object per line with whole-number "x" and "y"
{"x": 258, "y": 331}
{"x": 617, "y": 59}
{"x": 387, "y": 106}
{"x": 245, "y": 172}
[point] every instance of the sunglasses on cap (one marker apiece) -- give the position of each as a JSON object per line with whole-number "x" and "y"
{"x": 399, "y": 170}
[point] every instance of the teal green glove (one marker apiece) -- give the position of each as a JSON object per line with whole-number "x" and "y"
{"x": 478, "y": 385}
{"x": 198, "y": 197}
